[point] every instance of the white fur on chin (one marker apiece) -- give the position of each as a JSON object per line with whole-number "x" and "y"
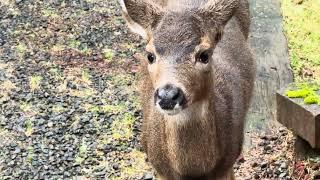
{"x": 176, "y": 110}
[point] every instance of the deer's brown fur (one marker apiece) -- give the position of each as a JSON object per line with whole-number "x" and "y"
{"x": 205, "y": 138}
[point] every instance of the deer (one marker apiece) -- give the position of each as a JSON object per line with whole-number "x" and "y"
{"x": 196, "y": 84}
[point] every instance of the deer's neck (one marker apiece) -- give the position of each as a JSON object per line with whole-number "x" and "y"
{"x": 191, "y": 139}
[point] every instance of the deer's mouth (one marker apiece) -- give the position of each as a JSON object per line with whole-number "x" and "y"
{"x": 174, "y": 111}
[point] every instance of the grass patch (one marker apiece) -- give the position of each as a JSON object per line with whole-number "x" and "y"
{"x": 136, "y": 168}
{"x": 108, "y": 54}
{"x": 30, "y": 154}
{"x": 50, "y": 13}
{"x": 83, "y": 149}
{"x": 29, "y": 127}
{"x": 25, "y": 107}
{"x": 75, "y": 44}
{"x": 34, "y": 82}
{"x": 28, "y": 109}
{"x": 114, "y": 109}
{"x": 91, "y": 108}
{"x": 82, "y": 154}
{"x": 13, "y": 10}
{"x": 122, "y": 80}
{"x": 56, "y": 74}
{"x": 138, "y": 164}
{"x": 58, "y": 109}
{"x": 21, "y": 48}
{"x": 83, "y": 93}
{"x": 302, "y": 24}
{"x": 86, "y": 51}
{"x": 134, "y": 99}
{"x": 122, "y": 128}
{"x": 85, "y": 77}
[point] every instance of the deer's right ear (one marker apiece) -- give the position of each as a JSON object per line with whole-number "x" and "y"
{"x": 141, "y": 15}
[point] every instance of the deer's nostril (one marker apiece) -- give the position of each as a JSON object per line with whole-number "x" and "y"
{"x": 175, "y": 97}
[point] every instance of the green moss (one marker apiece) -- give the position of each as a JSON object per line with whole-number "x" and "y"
{"x": 306, "y": 91}
{"x": 313, "y": 99}
{"x": 300, "y": 93}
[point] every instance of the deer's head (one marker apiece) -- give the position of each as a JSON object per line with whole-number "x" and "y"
{"x": 179, "y": 49}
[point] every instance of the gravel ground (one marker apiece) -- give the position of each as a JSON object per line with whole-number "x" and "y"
{"x": 68, "y": 101}
{"x": 269, "y": 156}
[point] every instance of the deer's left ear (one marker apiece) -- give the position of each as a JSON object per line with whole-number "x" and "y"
{"x": 217, "y": 13}
{"x": 141, "y": 15}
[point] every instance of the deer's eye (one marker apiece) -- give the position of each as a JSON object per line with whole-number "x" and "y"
{"x": 204, "y": 57}
{"x": 151, "y": 58}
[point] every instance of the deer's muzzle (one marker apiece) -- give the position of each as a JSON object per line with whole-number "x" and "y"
{"x": 170, "y": 99}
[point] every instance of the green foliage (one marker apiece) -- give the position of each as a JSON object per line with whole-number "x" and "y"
{"x": 302, "y": 24}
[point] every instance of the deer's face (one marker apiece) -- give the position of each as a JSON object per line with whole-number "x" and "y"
{"x": 179, "y": 49}
{"x": 179, "y": 59}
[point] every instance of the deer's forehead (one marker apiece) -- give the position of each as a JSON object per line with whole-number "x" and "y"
{"x": 176, "y": 34}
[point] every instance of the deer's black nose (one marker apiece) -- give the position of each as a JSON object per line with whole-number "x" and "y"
{"x": 169, "y": 96}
